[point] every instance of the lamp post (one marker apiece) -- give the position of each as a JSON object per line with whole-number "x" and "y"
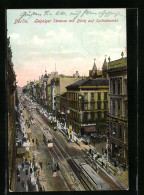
{"x": 67, "y": 112}
{"x": 107, "y": 154}
{"x": 80, "y": 97}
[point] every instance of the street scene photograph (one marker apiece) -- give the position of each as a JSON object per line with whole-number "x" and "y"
{"x": 67, "y": 100}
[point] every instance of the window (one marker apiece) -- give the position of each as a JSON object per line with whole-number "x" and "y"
{"x": 111, "y": 89}
{"x": 85, "y": 106}
{"x": 99, "y": 115}
{"x": 105, "y": 95}
{"x": 105, "y": 115}
{"x": 76, "y": 96}
{"x": 99, "y": 96}
{"x": 120, "y": 131}
{"x": 111, "y": 126}
{"x": 92, "y": 115}
{"x": 113, "y": 86}
{"x": 119, "y": 107}
{"x": 113, "y": 106}
{"x": 125, "y": 86}
{"x": 126, "y": 109}
{"x": 114, "y": 129}
{"x": 85, "y": 117}
{"x": 85, "y": 96}
{"x": 92, "y": 96}
{"x": 99, "y": 105}
{"x": 92, "y": 106}
{"x": 105, "y": 105}
{"x": 119, "y": 85}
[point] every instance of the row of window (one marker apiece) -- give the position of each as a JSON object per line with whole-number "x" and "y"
{"x": 99, "y": 94}
{"x": 116, "y": 86}
{"x": 116, "y": 107}
{"x": 88, "y": 116}
{"x": 93, "y": 116}
{"x": 75, "y": 96}
{"x": 74, "y": 115}
{"x": 93, "y": 106}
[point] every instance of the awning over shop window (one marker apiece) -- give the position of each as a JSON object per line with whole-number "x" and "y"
{"x": 90, "y": 129}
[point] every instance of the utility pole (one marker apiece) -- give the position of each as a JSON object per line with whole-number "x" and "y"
{"x": 55, "y": 67}
{"x": 107, "y": 155}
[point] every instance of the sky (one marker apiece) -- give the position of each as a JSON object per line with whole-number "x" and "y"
{"x": 69, "y": 38}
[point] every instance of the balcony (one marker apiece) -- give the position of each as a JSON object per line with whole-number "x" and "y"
{"x": 117, "y": 140}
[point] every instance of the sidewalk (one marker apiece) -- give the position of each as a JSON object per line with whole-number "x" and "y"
{"x": 121, "y": 178}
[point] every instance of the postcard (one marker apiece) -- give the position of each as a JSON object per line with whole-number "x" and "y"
{"x": 67, "y": 100}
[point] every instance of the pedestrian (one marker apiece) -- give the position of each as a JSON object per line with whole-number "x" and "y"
{"x": 18, "y": 172}
{"x": 18, "y": 178}
{"x": 102, "y": 150}
{"x": 30, "y": 170}
{"x": 41, "y": 165}
{"x": 40, "y": 188}
{"x": 102, "y": 164}
{"x": 22, "y": 183}
{"x": 43, "y": 189}
{"x": 96, "y": 169}
{"x": 58, "y": 166}
{"x": 22, "y": 165}
{"x": 26, "y": 171}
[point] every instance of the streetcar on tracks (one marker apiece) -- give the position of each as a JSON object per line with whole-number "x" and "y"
{"x": 48, "y": 138}
{"x": 90, "y": 179}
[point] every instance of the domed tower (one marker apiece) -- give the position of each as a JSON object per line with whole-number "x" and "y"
{"x": 93, "y": 72}
{"x": 45, "y": 76}
{"x": 104, "y": 69}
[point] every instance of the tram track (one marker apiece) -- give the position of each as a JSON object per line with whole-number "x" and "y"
{"x": 73, "y": 167}
{"x": 62, "y": 156}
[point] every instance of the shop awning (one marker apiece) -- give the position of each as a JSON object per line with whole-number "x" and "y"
{"x": 90, "y": 129}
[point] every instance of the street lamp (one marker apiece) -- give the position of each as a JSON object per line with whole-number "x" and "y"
{"x": 66, "y": 121}
{"x": 107, "y": 154}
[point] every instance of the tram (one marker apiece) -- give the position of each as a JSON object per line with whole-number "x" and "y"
{"x": 48, "y": 138}
{"x": 90, "y": 179}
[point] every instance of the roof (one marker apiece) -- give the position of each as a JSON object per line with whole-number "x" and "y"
{"x": 89, "y": 82}
{"x": 94, "y": 67}
{"x": 120, "y": 63}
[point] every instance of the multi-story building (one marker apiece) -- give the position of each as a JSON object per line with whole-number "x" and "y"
{"x": 51, "y": 92}
{"x": 118, "y": 111}
{"x": 44, "y": 80}
{"x": 87, "y": 102}
{"x": 38, "y": 91}
{"x": 30, "y": 89}
{"x": 58, "y": 90}
{"x": 61, "y": 105}
{"x": 11, "y": 118}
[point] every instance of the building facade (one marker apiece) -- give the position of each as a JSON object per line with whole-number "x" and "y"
{"x": 118, "y": 111}
{"x": 87, "y": 102}
{"x": 11, "y": 118}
